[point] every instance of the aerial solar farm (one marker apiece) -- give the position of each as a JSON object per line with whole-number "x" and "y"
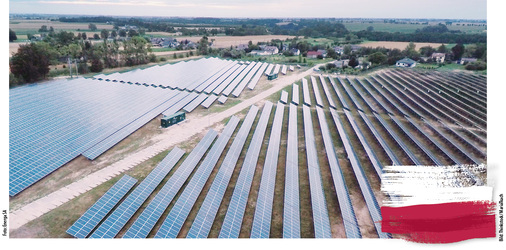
{"x": 302, "y": 157}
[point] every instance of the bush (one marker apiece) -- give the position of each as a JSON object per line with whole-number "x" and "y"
{"x": 152, "y": 57}
{"x": 477, "y": 66}
{"x": 163, "y": 59}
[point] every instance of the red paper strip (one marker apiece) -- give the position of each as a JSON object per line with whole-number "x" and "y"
{"x": 441, "y": 223}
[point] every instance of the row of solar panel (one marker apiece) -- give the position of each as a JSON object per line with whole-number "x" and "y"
{"x": 76, "y": 116}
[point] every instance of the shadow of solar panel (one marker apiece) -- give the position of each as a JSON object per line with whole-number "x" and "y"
{"x": 351, "y": 227}
{"x": 122, "y": 214}
{"x": 179, "y": 212}
{"x": 365, "y": 188}
{"x": 205, "y": 217}
{"x": 97, "y": 212}
{"x": 147, "y": 220}
{"x": 233, "y": 219}
{"x": 318, "y": 203}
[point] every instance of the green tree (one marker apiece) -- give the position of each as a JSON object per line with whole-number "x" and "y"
{"x": 31, "y": 62}
{"x": 114, "y": 34}
{"x": 43, "y": 28}
{"x": 377, "y": 58}
{"x": 442, "y": 49}
{"x": 104, "y": 34}
{"x": 353, "y": 62}
{"x": 203, "y": 45}
{"x": 92, "y": 27}
{"x": 347, "y": 50}
{"x": 12, "y": 35}
{"x": 427, "y": 50}
{"x": 457, "y": 51}
{"x": 122, "y": 33}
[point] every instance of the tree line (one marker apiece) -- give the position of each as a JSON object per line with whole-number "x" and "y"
{"x": 32, "y": 61}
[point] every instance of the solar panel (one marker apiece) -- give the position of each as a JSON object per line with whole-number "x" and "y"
{"x": 256, "y": 78}
{"x": 180, "y": 104}
{"x": 463, "y": 139}
{"x": 394, "y": 160}
{"x": 263, "y": 210}
{"x": 370, "y": 153}
{"x": 195, "y": 103}
{"x": 207, "y": 212}
{"x": 434, "y": 142}
{"x": 316, "y": 91}
{"x": 336, "y": 89}
{"x": 237, "y": 80}
{"x": 305, "y": 92}
{"x": 233, "y": 219}
{"x": 416, "y": 141}
{"x": 269, "y": 69}
{"x": 394, "y": 135}
{"x": 362, "y": 95}
{"x": 240, "y": 87}
{"x": 284, "y": 97}
{"x": 453, "y": 143}
{"x": 327, "y": 92}
{"x": 120, "y": 216}
{"x": 209, "y": 101}
{"x": 218, "y": 90}
{"x": 295, "y": 94}
{"x": 97, "y": 212}
{"x": 221, "y": 79}
{"x": 348, "y": 92}
{"x": 318, "y": 203}
{"x": 175, "y": 219}
{"x": 222, "y": 99}
{"x": 276, "y": 69}
{"x": 283, "y": 70}
{"x": 462, "y": 112}
{"x": 351, "y": 226}
{"x": 291, "y": 208}
{"x": 147, "y": 220}
{"x": 365, "y": 188}
{"x": 213, "y": 81}
{"x": 53, "y": 123}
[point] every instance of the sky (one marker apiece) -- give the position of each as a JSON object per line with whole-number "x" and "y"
{"x": 439, "y": 9}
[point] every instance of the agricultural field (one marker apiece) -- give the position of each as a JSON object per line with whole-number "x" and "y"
{"x": 23, "y": 27}
{"x": 254, "y": 180}
{"x": 408, "y": 28}
{"x": 397, "y": 45}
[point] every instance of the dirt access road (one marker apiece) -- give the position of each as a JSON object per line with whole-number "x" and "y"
{"x": 172, "y": 137}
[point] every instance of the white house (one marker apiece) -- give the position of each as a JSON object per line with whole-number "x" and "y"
{"x": 438, "y": 57}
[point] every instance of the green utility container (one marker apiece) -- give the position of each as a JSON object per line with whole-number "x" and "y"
{"x": 272, "y": 76}
{"x": 170, "y": 120}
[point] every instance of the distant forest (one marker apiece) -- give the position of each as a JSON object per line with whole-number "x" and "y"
{"x": 317, "y": 28}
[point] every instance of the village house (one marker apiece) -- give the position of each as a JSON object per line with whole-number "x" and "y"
{"x": 438, "y": 57}
{"x": 406, "y": 63}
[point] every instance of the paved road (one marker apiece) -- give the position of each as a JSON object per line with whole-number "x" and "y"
{"x": 183, "y": 132}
